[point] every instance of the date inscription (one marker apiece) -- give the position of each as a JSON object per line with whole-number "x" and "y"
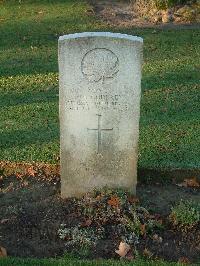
{"x": 99, "y": 102}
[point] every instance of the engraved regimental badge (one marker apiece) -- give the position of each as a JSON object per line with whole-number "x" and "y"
{"x": 99, "y": 64}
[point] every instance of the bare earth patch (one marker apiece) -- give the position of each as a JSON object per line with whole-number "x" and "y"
{"x": 121, "y": 14}
{"x": 117, "y": 13}
{"x": 31, "y": 212}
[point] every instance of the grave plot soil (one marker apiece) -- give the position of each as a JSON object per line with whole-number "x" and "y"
{"x": 116, "y": 13}
{"x": 121, "y": 14}
{"x": 31, "y": 212}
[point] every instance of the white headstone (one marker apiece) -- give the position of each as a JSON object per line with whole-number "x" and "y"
{"x": 100, "y": 87}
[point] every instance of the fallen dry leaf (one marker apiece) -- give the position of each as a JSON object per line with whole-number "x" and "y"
{"x": 147, "y": 253}
{"x": 184, "y": 260}
{"x": 190, "y": 182}
{"x": 3, "y": 252}
{"x": 19, "y": 176}
{"x": 124, "y": 248}
{"x": 114, "y": 201}
{"x": 31, "y": 171}
{"x": 143, "y": 229}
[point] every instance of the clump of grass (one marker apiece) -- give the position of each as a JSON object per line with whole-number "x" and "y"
{"x": 186, "y": 213}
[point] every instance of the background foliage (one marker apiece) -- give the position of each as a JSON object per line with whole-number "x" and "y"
{"x": 161, "y": 4}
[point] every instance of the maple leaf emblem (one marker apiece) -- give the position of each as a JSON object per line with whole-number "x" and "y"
{"x": 99, "y": 64}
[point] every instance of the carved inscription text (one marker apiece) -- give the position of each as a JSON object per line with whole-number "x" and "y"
{"x": 99, "y": 102}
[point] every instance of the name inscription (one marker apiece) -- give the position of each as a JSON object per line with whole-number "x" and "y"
{"x": 100, "y": 102}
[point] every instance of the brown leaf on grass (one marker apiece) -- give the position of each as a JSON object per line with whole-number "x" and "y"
{"x": 190, "y": 182}
{"x": 184, "y": 260}
{"x": 19, "y": 176}
{"x": 3, "y": 252}
{"x": 31, "y": 171}
{"x": 147, "y": 253}
{"x": 124, "y": 248}
{"x": 114, "y": 201}
{"x": 143, "y": 229}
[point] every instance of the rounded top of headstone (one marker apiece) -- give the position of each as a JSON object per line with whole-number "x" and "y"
{"x": 101, "y": 34}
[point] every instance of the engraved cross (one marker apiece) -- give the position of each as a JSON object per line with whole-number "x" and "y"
{"x": 99, "y": 130}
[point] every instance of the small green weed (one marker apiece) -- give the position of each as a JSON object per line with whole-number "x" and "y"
{"x": 186, "y": 213}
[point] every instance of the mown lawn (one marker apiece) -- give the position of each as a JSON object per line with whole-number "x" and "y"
{"x": 29, "y": 124}
{"x": 75, "y": 262}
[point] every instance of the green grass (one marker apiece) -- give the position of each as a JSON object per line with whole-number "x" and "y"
{"x": 29, "y": 125}
{"x": 75, "y": 262}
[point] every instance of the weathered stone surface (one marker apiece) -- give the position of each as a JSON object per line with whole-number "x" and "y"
{"x": 100, "y": 76}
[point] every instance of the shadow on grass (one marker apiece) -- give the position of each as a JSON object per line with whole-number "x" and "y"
{"x": 30, "y": 45}
{"x": 26, "y": 137}
{"x": 29, "y": 39}
{"x": 45, "y": 61}
{"x": 169, "y": 80}
{"x": 13, "y": 99}
{"x": 41, "y": 61}
{"x": 36, "y": 31}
